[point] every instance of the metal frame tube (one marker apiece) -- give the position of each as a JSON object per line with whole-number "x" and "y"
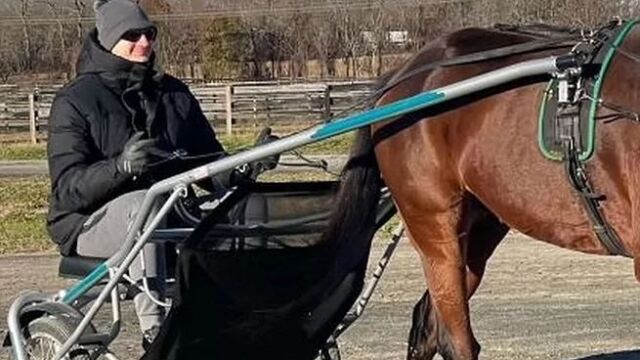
{"x": 122, "y": 268}
{"x": 365, "y": 296}
{"x": 382, "y": 266}
{"x": 115, "y": 310}
{"x": 13, "y": 320}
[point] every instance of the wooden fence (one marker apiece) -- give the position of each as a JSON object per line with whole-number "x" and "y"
{"x": 234, "y": 107}
{"x": 25, "y": 107}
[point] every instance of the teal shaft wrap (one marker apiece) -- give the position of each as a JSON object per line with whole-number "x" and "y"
{"x": 389, "y": 111}
{"x": 86, "y": 283}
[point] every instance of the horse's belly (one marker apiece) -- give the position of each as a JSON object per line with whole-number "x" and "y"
{"x": 533, "y": 196}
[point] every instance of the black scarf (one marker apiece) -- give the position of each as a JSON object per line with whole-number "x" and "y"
{"x": 139, "y": 85}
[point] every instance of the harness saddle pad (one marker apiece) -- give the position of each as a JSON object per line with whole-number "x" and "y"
{"x": 551, "y": 129}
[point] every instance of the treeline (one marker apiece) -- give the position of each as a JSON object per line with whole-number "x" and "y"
{"x": 267, "y": 39}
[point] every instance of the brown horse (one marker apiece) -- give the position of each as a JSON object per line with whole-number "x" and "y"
{"x": 473, "y": 171}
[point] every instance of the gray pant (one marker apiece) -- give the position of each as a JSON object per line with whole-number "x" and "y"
{"x": 104, "y": 234}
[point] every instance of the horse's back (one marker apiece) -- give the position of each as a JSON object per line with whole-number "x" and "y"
{"x": 453, "y": 45}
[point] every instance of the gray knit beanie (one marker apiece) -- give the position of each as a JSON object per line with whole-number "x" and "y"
{"x": 115, "y": 17}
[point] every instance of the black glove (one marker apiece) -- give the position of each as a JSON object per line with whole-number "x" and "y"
{"x": 230, "y": 178}
{"x": 268, "y": 163}
{"x": 138, "y": 154}
{"x": 249, "y": 172}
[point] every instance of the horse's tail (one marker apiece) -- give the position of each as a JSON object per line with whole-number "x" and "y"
{"x": 355, "y": 208}
{"x": 356, "y": 203}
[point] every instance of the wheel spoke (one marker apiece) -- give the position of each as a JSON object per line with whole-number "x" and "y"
{"x": 29, "y": 351}
{"x": 42, "y": 347}
{"x": 51, "y": 350}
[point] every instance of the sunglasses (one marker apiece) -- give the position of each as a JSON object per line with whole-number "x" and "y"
{"x": 135, "y": 35}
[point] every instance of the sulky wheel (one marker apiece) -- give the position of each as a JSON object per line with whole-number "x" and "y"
{"x": 45, "y": 335}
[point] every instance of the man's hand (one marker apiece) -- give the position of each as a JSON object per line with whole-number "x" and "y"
{"x": 250, "y": 171}
{"x": 138, "y": 154}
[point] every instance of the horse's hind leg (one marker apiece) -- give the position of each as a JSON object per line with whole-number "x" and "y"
{"x": 428, "y": 335}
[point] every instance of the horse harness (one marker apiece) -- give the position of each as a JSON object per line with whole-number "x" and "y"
{"x": 577, "y": 94}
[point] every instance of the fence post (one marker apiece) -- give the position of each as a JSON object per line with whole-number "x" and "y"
{"x": 228, "y": 90}
{"x": 33, "y": 117}
{"x": 327, "y": 102}
{"x": 267, "y": 108}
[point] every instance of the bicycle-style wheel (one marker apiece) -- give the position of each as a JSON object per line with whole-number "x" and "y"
{"x": 46, "y": 335}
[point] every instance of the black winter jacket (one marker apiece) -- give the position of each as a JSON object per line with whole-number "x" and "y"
{"x": 93, "y": 117}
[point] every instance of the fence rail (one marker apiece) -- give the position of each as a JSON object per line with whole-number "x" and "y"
{"x": 229, "y": 106}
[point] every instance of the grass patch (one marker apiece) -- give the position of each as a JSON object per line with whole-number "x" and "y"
{"x": 234, "y": 143}
{"x": 15, "y": 151}
{"x": 387, "y": 229}
{"x": 23, "y": 151}
{"x": 335, "y": 146}
{"x": 287, "y": 176}
{"x": 23, "y": 208}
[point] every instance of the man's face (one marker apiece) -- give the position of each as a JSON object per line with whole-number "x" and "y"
{"x": 136, "y": 45}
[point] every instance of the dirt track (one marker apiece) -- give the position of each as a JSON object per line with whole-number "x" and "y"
{"x": 537, "y": 302}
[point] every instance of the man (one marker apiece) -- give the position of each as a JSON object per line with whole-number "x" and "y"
{"x": 110, "y": 133}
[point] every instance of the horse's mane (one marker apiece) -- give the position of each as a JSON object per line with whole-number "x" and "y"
{"x": 539, "y": 30}
{"x": 470, "y": 40}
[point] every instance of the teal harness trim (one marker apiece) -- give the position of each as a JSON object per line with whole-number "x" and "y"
{"x": 547, "y": 96}
{"x": 589, "y": 148}
{"x": 389, "y": 111}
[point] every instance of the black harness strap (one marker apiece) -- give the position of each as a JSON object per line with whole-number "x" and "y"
{"x": 591, "y": 200}
{"x": 574, "y": 167}
{"x": 522, "y": 48}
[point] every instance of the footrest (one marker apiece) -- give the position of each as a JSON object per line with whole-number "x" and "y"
{"x": 77, "y": 267}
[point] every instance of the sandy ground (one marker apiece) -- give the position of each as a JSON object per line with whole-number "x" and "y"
{"x": 537, "y": 302}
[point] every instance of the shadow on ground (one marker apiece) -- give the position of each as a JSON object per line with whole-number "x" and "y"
{"x": 622, "y": 355}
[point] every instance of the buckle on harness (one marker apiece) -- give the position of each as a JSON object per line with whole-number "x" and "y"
{"x": 568, "y": 114}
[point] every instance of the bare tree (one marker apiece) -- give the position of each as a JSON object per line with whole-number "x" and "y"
{"x": 79, "y": 9}
{"x": 324, "y": 42}
{"x": 349, "y": 30}
{"x": 26, "y": 33}
{"x": 10, "y": 63}
{"x": 220, "y": 53}
{"x": 276, "y": 38}
{"x": 53, "y": 7}
{"x": 378, "y": 27}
